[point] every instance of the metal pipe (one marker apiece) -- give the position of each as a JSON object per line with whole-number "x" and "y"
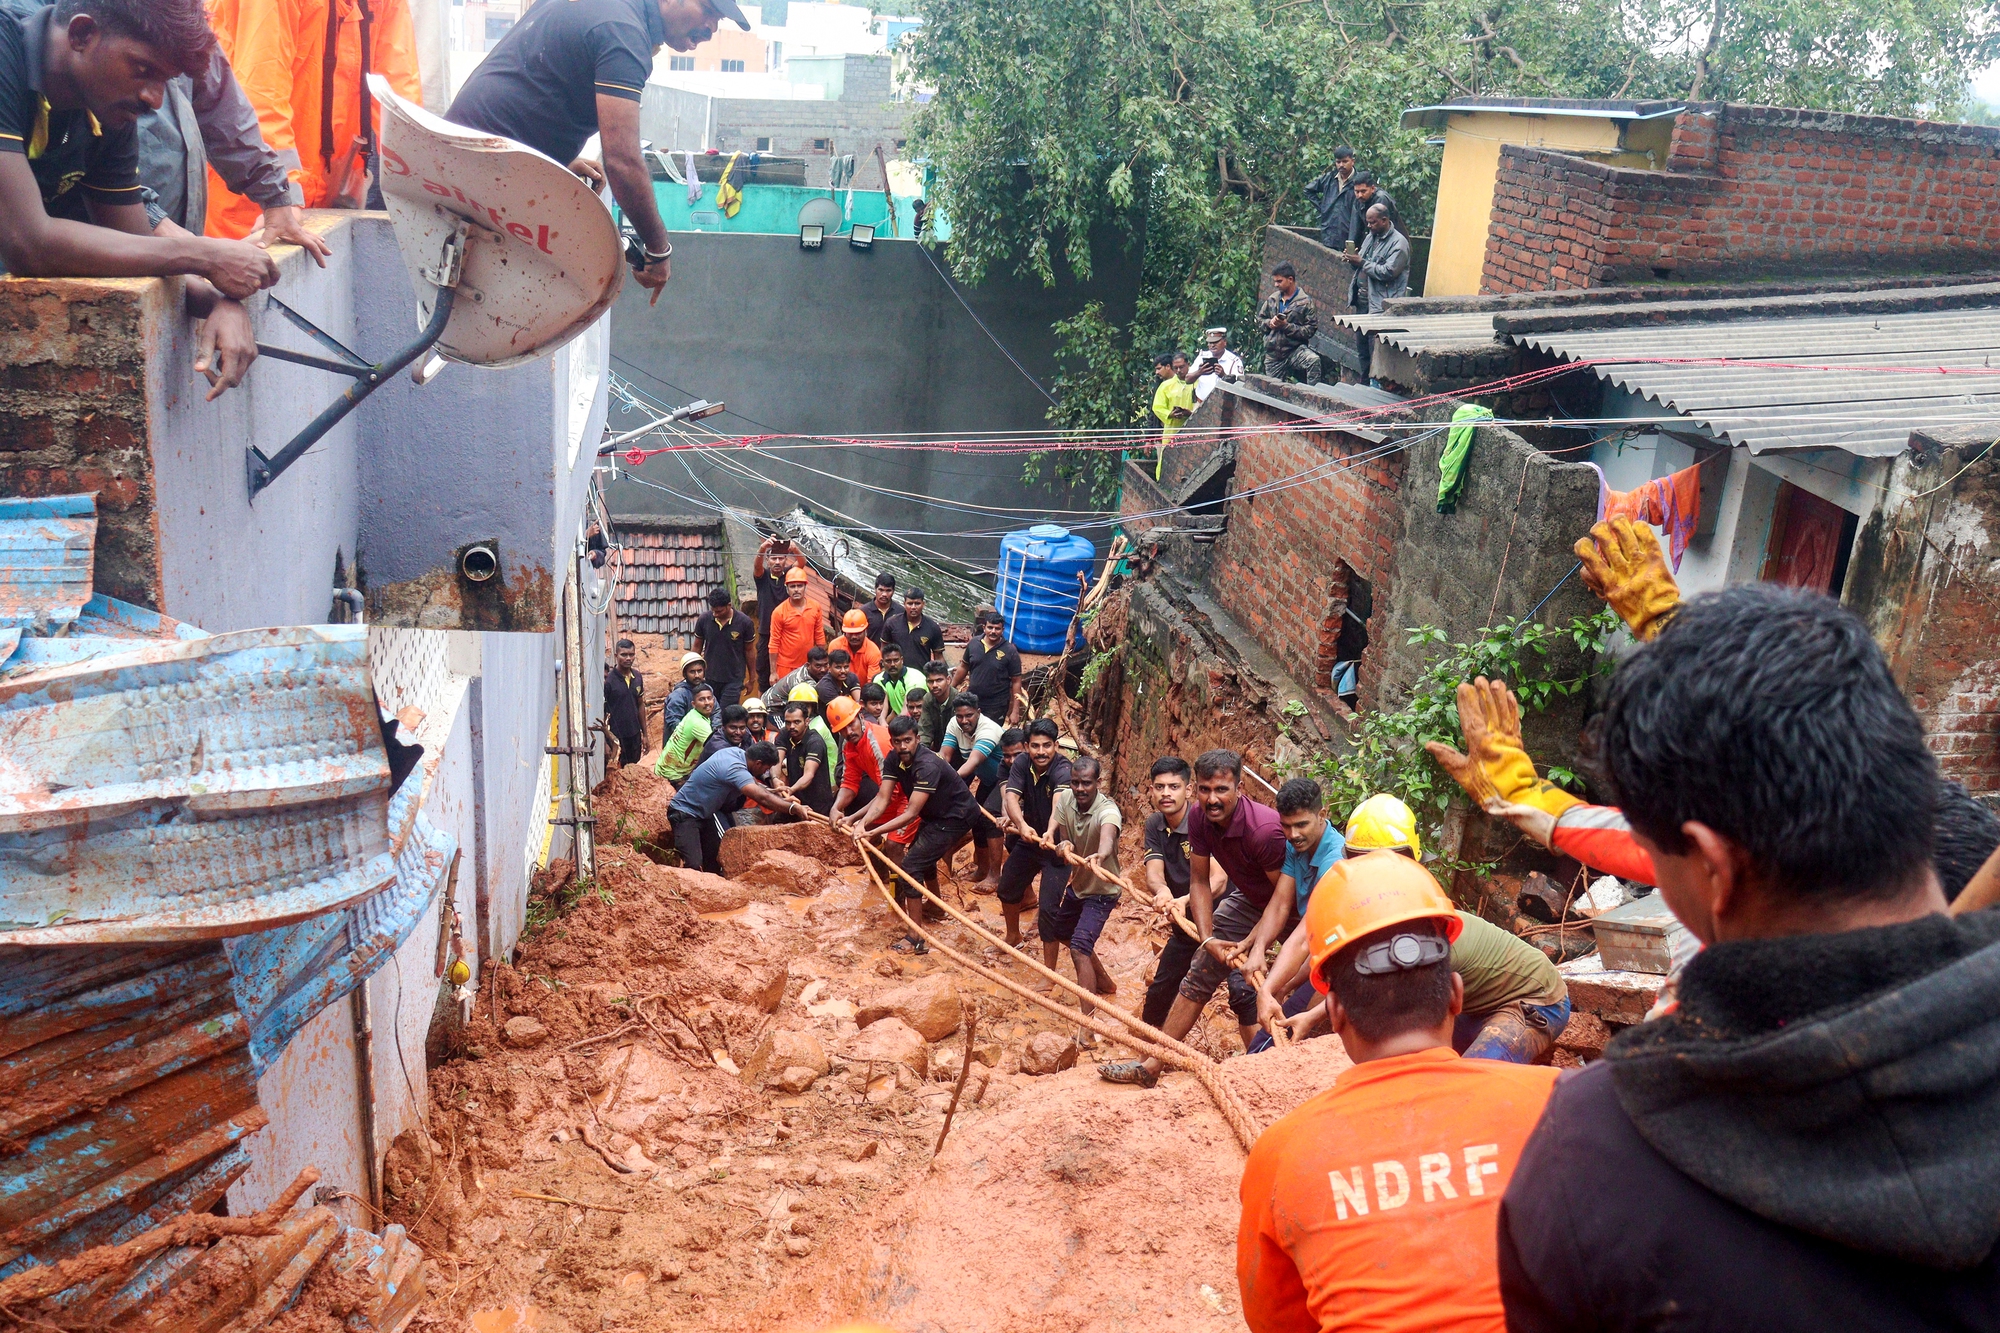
{"x": 263, "y": 471}
{"x": 352, "y": 599}
{"x": 364, "y": 1059}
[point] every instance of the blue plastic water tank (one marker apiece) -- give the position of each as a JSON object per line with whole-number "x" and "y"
{"x": 1037, "y": 590}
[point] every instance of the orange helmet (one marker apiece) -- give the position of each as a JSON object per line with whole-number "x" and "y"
{"x": 854, "y": 622}
{"x": 840, "y": 714}
{"x": 1365, "y": 894}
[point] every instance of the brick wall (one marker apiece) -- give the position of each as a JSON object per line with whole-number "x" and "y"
{"x": 73, "y": 413}
{"x": 1750, "y": 190}
{"x": 1923, "y": 576}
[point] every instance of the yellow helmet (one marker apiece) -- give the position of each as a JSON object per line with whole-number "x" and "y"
{"x": 1382, "y": 823}
{"x": 804, "y": 693}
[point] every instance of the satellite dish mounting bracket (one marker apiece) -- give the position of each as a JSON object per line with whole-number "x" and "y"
{"x": 368, "y": 376}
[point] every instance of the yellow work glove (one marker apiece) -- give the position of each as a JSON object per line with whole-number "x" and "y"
{"x": 1495, "y": 768}
{"x": 1623, "y": 564}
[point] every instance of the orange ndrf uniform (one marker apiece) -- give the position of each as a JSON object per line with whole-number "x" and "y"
{"x": 1375, "y": 1206}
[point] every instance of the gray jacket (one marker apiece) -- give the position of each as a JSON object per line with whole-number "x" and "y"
{"x": 1385, "y": 269}
{"x": 210, "y": 122}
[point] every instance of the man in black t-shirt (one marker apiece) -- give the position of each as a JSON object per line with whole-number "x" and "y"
{"x": 882, "y": 609}
{"x": 938, "y": 796}
{"x": 1029, "y": 797}
{"x": 567, "y": 71}
{"x": 774, "y": 557}
{"x": 991, "y": 669}
{"x": 803, "y": 748}
{"x": 74, "y": 79}
{"x": 920, "y": 637}
{"x": 625, "y": 704}
{"x": 725, "y": 636}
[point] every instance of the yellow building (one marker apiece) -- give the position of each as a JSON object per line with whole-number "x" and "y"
{"x": 1624, "y": 134}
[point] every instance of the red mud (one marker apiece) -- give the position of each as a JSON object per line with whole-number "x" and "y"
{"x": 1060, "y": 1202}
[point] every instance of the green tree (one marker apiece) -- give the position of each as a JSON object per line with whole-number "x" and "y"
{"x": 1182, "y": 129}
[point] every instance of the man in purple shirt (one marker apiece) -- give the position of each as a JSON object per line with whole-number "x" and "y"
{"x": 1245, "y": 838}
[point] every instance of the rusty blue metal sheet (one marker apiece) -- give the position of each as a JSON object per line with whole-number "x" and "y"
{"x": 283, "y": 977}
{"x": 47, "y": 549}
{"x": 125, "y": 1091}
{"x": 199, "y": 788}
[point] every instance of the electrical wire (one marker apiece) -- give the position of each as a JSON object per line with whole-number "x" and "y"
{"x": 952, "y": 287}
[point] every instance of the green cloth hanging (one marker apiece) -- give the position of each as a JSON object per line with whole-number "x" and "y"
{"x": 1457, "y": 449}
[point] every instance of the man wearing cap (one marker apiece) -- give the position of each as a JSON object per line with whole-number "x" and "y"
{"x": 865, "y": 657}
{"x": 1376, "y": 1204}
{"x": 882, "y": 609}
{"x": 920, "y": 637}
{"x": 565, "y": 72}
{"x": 694, "y": 673}
{"x": 796, "y": 625}
{"x": 1215, "y": 365}
{"x": 725, "y": 636}
{"x": 1516, "y": 1003}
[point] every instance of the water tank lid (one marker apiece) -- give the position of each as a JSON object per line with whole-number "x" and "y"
{"x": 1048, "y": 532}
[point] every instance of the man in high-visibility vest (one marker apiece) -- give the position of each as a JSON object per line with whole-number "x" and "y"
{"x": 1376, "y": 1204}
{"x": 303, "y": 64}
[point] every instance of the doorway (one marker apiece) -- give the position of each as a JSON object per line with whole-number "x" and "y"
{"x": 1810, "y": 541}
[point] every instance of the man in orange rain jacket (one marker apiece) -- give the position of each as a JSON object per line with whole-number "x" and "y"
{"x": 302, "y": 64}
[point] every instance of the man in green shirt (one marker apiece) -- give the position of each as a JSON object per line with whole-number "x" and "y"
{"x": 896, "y": 679}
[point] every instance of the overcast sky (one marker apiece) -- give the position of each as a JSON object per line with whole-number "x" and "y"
{"x": 1986, "y": 83}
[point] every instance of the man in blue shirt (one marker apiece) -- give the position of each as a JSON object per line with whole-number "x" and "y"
{"x": 717, "y": 782}
{"x": 1313, "y": 846}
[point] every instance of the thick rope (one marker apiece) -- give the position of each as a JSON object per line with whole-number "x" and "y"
{"x": 1205, "y": 1070}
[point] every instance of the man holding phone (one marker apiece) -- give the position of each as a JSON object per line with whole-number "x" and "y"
{"x": 1215, "y": 364}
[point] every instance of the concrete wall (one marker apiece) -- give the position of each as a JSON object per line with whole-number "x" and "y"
{"x": 849, "y": 342}
{"x": 99, "y": 393}
{"x": 1750, "y": 189}
{"x": 857, "y": 115}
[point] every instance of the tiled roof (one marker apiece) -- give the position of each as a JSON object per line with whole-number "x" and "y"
{"x": 667, "y": 573}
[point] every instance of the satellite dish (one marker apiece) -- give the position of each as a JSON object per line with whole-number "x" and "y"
{"x": 543, "y": 257}
{"x": 822, "y": 213}
{"x": 510, "y": 253}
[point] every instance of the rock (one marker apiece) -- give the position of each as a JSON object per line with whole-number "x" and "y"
{"x": 795, "y": 1079}
{"x": 771, "y": 993}
{"x": 798, "y": 1246}
{"x": 888, "y": 967}
{"x": 929, "y": 1004}
{"x": 890, "y": 1041}
{"x": 524, "y": 1032}
{"x": 1048, "y": 1054}
{"x": 742, "y": 846}
{"x": 986, "y": 1052}
{"x": 783, "y": 1049}
{"x": 788, "y": 873}
{"x": 862, "y": 1151}
{"x": 706, "y": 893}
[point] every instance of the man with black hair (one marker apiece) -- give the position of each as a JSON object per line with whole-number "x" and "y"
{"x": 810, "y": 673}
{"x": 991, "y": 669}
{"x": 882, "y": 609}
{"x": 625, "y": 704}
{"x": 1368, "y": 192}
{"x": 1029, "y": 800}
{"x": 1373, "y": 1205}
{"x": 718, "y": 784}
{"x": 874, "y": 702}
{"x": 768, "y": 568}
{"x": 895, "y": 678}
{"x": 934, "y": 794}
{"x": 726, "y": 638}
{"x": 1246, "y": 838}
{"x": 1314, "y": 845}
{"x": 937, "y": 710}
{"x": 74, "y": 79}
{"x": 1331, "y": 194}
{"x": 1289, "y": 320}
{"x": 972, "y": 745}
{"x": 808, "y": 762}
{"x": 1167, "y": 876}
{"x": 1085, "y": 822}
{"x": 733, "y": 729}
{"x": 1811, "y": 1139}
{"x": 920, "y": 637}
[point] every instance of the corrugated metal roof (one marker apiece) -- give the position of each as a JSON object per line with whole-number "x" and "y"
{"x": 196, "y": 789}
{"x": 1435, "y": 117}
{"x": 47, "y": 547}
{"x": 664, "y": 582}
{"x": 1424, "y": 333}
{"x": 1859, "y": 394}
